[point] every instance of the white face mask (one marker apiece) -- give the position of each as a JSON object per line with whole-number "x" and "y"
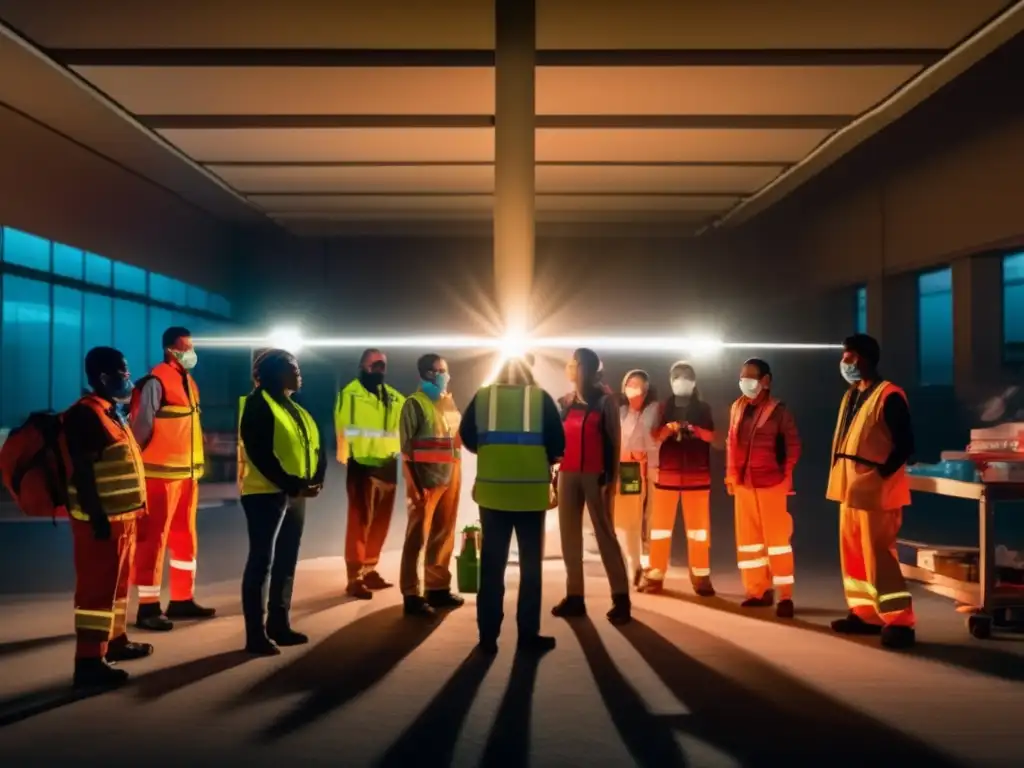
{"x": 632, "y": 392}
{"x": 187, "y": 359}
{"x": 750, "y": 388}
{"x": 683, "y": 387}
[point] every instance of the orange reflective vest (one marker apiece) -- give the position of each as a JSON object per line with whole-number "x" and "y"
{"x": 119, "y": 472}
{"x": 436, "y": 442}
{"x": 856, "y": 456}
{"x": 175, "y": 450}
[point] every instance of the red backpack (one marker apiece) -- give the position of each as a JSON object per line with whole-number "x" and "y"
{"x": 33, "y": 463}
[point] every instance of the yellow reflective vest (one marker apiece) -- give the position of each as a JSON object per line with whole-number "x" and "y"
{"x": 368, "y": 426}
{"x": 296, "y": 446}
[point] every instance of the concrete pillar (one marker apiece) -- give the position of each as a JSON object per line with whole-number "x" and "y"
{"x": 893, "y": 321}
{"x": 977, "y": 324}
{"x": 514, "y": 158}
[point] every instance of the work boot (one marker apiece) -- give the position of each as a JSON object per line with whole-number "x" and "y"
{"x": 784, "y": 610}
{"x": 487, "y": 646}
{"x": 764, "y": 601}
{"x": 150, "y": 617}
{"x": 286, "y": 636}
{"x": 898, "y": 637}
{"x": 357, "y": 589}
{"x": 638, "y": 578}
{"x": 537, "y": 644}
{"x": 444, "y": 598}
{"x": 123, "y": 649}
{"x": 259, "y": 644}
{"x": 620, "y": 612}
{"x": 652, "y": 586}
{"x": 374, "y": 581}
{"x": 414, "y": 605}
{"x": 702, "y": 588}
{"x": 572, "y": 606}
{"x": 188, "y": 609}
{"x": 97, "y": 673}
{"x": 853, "y": 624}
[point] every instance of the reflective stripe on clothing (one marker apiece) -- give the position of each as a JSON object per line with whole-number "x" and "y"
{"x": 174, "y": 450}
{"x": 368, "y": 423}
{"x": 183, "y": 565}
{"x": 94, "y": 621}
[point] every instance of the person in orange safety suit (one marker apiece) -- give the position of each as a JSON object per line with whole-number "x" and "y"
{"x": 762, "y": 449}
{"x": 106, "y": 494}
{"x": 165, "y": 422}
{"x": 873, "y": 441}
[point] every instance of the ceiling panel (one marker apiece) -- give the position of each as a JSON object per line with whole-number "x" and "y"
{"x": 654, "y": 178}
{"x": 290, "y": 218}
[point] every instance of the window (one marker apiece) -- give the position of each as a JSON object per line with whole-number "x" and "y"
{"x": 97, "y": 270}
{"x": 196, "y": 298}
{"x": 1013, "y": 308}
{"x": 935, "y": 327}
{"x": 97, "y": 324}
{"x": 129, "y": 278}
{"x": 167, "y": 289}
{"x": 25, "y": 250}
{"x": 26, "y": 348}
{"x": 68, "y": 261}
{"x": 159, "y": 321}
{"x": 68, "y": 356}
{"x": 861, "y": 310}
{"x": 219, "y": 305}
{"x": 130, "y": 335}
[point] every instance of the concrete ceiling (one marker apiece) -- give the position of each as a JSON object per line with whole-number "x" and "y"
{"x": 360, "y": 117}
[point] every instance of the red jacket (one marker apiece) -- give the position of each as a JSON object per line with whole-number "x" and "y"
{"x": 591, "y": 435}
{"x": 684, "y": 461}
{"x": 763, "y": 446}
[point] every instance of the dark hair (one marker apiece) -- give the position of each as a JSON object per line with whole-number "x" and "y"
{"x": 172, "y": 334}
{"x": 101, "y": 360}
{"x": 425, "y": 365}
{"x": 589, "y": 363}
{"x": 763, "y": 369}
{"x": 866, "y": 348}
{"x": 270, "y": 367}
{"x": 515, "y": 370}
{"x": 366, "y": 354}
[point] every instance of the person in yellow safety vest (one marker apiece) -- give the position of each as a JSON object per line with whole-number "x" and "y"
{"x": 873, "y": 441}
{"x": 283, "y": 466}
{"x": 515, "y": 429}
{"x": 429, "y": 431}
{"x": 165, "y": 421}
{"x": 366, "y": 416}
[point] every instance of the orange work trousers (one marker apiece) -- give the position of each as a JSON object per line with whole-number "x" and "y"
{"x": 432, "y": 518}
{"x": 371, "y": 501}
{"x": 169, "y": 523}
{"x": 872, "y": 580}
{"x": 697, "y": 520}
{"x": 764, "y": 529}
{"x": 101, "y": 584}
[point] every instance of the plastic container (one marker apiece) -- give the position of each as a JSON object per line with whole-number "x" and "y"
{"x": 467, "y": 562}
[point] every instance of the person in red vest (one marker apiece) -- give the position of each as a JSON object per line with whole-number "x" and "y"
{"x": 587, "y": 476}
{"x": 165, "y": 421}
{"x": 684, "y": 430}
{"x": 762, "y": 450}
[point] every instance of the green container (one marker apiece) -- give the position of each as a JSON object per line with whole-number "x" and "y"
{"x": 630, "y": 478}
{"x": 467, "y": 564}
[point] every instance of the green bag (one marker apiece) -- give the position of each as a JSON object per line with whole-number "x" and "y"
{"x": 630, "y": 479}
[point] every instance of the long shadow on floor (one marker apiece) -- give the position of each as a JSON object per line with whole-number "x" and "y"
{"x": 340, "y": 668}
{"x": 18, "y": 708}
{"x": 508, "y": 744}
{"x": 162, "y": 682}
{"x": 977, "y": 656}
{"x": 431, "y": 739}
{"x": 15, "y": 647}
{"x": 745, "y": 707}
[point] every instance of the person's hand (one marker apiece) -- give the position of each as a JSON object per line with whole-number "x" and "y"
{"x": 100, "y": 527}
{"x": 674, "y": 427}
{"x": 340, "y": 455}
{"x": 686, "y": 428}
{"x": 730, "y": 487}
{"x": 312, "y": 491}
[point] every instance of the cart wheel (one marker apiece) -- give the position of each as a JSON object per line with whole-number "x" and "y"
{"x": 980, "y": 626}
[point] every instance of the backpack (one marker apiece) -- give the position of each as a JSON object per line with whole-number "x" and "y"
{"x": 33, "y": 465}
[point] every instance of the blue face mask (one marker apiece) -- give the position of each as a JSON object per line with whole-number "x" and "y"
{"x": 850, "y": 372}
{"x": 434, "y": 389}
{"x": 120, "y": 390}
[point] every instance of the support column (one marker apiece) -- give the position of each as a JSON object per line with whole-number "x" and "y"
{"x": 893, "y": 321}
{"x": 977, "y": 324}
{"x": 514, "y": 159}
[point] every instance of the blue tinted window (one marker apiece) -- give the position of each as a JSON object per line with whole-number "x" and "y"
{"x": 25, "y": 250}
{"x": 25, "y": 357}
{"x": 935, "y": 327}
{"x": 1013, "y": 308}
{"x": 97, "y": 270}
{"x": 219, "y": 305}
{"x": 167, "y": 290}
{"x": 68, "y": 261}
{"x": 97, "y": 323}
{"x": 159, "y": 321}
{"x": 129, "y": 278}
{"x": 196, "y": 297}
{"x": 862, "y": 310}
{"x": 68, "y": 357}
{"x": 130, "y": 335}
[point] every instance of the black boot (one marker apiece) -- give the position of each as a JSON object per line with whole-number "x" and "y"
{"x": 97, "y": 673}
{"x": 123, "y": 649}
{"x": 487, "y": 646}
{"x": 444, "y": 598}
{"x": 702, "y": 587}
{"x": 621, "y": 611}
{"x": 898, "y": 637}
{"x": 572, "y": 606}
{"x": 767, "y": 600}
{"x": 258, "y": 644}
{"x": 414, "y": 605}
{"x": 150, "y": 617}
{"x": 189, "y": 609}
{"x": 537, "y": 644}
{"x": 281, "y": 632}
{"x": 853, "y": 624}
{"x": 785, "y": 610}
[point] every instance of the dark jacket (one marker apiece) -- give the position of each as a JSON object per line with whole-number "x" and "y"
{"x": 257, "y": 433}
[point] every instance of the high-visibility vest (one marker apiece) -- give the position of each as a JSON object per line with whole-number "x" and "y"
{"x": 296, "y": 446}
{"x": 241, "y": 458}
{"x": 856, "y": 456}
{"x": 435, "y": 444}
{"x": 513, "y": 473}
{"x": 120, "y": 475}
{"x": 175, "y": 449}
{"x": 369, "y": 428}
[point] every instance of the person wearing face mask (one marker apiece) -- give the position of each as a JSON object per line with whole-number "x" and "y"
{"x": 762, "y": 451}
{"x": 873, "y": 441}
{"x": 429, "y": 429}
{"x": 366, "y": 418}
{"x": 284, "y": 465}
{"x": 165, "y": 421}
{"x": 587, "y": 477}
{"x": 639, "y": 458}
{"x": 106, "y": 495}
{"x": 684, "y": 431}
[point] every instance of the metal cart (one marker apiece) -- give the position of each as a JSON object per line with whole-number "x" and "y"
{"x": 991, "y": 606}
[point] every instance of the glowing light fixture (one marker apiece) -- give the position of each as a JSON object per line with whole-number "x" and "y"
{"x": 288, "y": 338}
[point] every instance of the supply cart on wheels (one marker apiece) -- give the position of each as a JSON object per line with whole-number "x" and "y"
{"x": 977, "y": 587}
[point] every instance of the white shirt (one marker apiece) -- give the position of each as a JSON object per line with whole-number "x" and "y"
{"x": 636, "y": 433}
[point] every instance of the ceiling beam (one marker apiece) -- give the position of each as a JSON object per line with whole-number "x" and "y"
{"x": 443, "y": 194}
{"x": 214, "y": 164}
{"x": 298, "y": 122}
{"x": 292, "y": 57}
